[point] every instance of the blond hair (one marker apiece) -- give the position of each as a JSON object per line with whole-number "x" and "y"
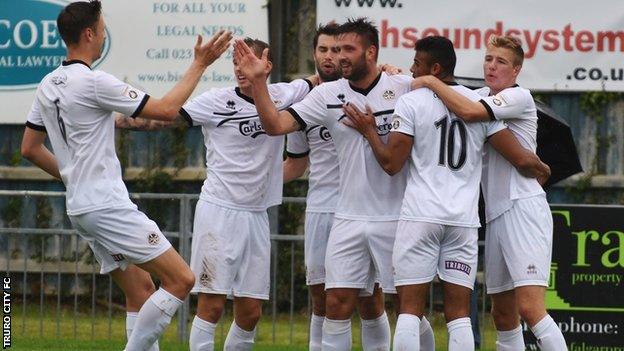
{"x": 511, "y": 43}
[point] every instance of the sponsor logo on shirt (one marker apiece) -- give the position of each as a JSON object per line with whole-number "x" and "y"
{"x": 251, "y": 128}
{"x": 385, "y": 127}
{"x": 341, "y": 97}
{"x": 458, "y": 266}
{"x": 61, "y": 79}
{"x": 153, "y": 239}
{"x": 230, "y": 104}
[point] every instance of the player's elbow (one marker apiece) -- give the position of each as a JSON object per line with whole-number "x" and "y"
{"x": 28, "y": 151}
{"x": 272, "y": 130}
{"x": 391, "y": 169}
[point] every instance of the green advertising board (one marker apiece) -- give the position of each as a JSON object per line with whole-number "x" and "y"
{"x": 585, "y": 295}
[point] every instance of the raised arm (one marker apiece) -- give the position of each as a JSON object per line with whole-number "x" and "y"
{"x": 34, "y": 150}
{"x": 167, "y": 107}
{"x": 464, "y": 108}
{"x": 256, "y": 71}
{"x": 525, "y": 161}
{"x": 391, "y": 156}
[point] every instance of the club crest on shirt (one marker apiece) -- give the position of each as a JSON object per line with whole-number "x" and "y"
{"x": 388, "y": 95}
{"x": 231, "y": 104}
{"x": 153, "y": 239}
{"x": 59, "y": 80}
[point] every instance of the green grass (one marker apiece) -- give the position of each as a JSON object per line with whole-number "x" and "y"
{"x": 29, "y": 334}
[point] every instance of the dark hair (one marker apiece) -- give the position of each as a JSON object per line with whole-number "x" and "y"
{"x": 76, "y": 17}
{"x": 330, "y": 28}
{"x": 440, "y": 51}
{"x": 258, "y": 47}
{"x": 364, "y": 28}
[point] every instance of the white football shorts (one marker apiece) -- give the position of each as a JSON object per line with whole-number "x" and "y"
{"x": 231, "y": 251}
{"x": 317, "y": 228}
{"x": 518, "y": 246}
{"x": 360, "y": 253}
{"x": 422, "y": 250}
{"x": 120, "y": 236}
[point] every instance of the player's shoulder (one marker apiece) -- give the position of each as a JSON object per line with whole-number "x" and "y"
{"x": 417, "y": 95}
{"x": 467, "y": 92}
{"x": 517, "y": 93}
{"x": 401, "y": 79}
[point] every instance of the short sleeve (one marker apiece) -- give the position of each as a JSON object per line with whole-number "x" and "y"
{"x": 115, "y": 95}
{"x": 296, "y": 90}
{"x": 200, "y": 108}
{"x": 494, "y": 127}
{"x": 297, "y": 145}
{"x": 403, "y": 118}
{"x": 509, "y": 103}
{"x": 34, "y": 120}
{"x": 311, "y": 110}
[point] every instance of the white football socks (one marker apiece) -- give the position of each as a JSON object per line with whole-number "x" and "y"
{"x": 316, "y": 332}
{"x": 549, "y": 337}
{"x": 376, "y": 333}
{"x": 510, "y": 340}
{"x": 151, "y": 321}
{"x": 130, "y": 320}
{"x": 407, "y": 333}
{"x": 336, "y": 335}
{"x": 202, "y": 335}
{"x": 460, "y": 337}
{"x": 427, "y": 340}
{"x": 239, "y": 339}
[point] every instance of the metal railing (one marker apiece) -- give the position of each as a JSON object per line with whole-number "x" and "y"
{"x": 72, "y": 261}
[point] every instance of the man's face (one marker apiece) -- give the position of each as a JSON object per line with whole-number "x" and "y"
{"x": 352, "y": 56}
{"x": 498, "y": 68}
{"x": 326, "y": 58}
{"x": 421, "y": 65}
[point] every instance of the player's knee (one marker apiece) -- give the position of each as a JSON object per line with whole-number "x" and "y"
{"x": 185, "y": 282}
{"x": 504, "y": 319}
{"x": 531, "y": 312}
{"x": 318, "y": 306}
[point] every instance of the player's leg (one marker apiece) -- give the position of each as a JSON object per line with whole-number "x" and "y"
{"x": 499, "y": 284}
{"x": 137, "y": 286}
{"x": 247, "y": 313}
{"x": 347, "y": 265}
{"x": 375, "y": 326}
{"x": 427, "y": 338}
{"x": 457, "y": 268}
{"x": 317, "y": 228}
{"x": 415, "y": 260}
{"x": 251, "y": 283}
{"x": 527, "y": 249}
{"x": 128, "y": 235}
{"x": 412, "y": 299}
{"x": 209, "y": 311}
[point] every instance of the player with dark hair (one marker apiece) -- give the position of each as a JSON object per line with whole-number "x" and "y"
{"x": 518, "y": 241}
{"x": 74, "y": 107}
{"x": 359, "y": 247}
{"x": 437, "y": 232}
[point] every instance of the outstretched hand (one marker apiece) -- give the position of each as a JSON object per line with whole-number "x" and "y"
{"x": 363, "y": 122}
{"x": 249, "y": 64}
{"x": 208, "y": 53}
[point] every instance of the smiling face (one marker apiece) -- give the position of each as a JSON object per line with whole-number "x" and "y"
{"x": 354, "y": 56}
{"x": 499, "y": 68}
{"x": 326, "y": 58}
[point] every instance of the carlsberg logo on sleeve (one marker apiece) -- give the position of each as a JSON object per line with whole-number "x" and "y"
{"x": 30, "y": 43}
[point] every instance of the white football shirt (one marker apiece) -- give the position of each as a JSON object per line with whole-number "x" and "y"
{"x": 324, "y": 178}
{"x": 445, "y": 161}
{"x": 75, "y": 105}
{"x": 366, "y": 192}
{"x": 243, "y": 163}
{"x": 501, "y": 182}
